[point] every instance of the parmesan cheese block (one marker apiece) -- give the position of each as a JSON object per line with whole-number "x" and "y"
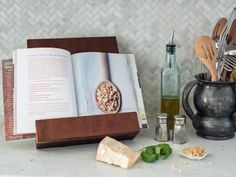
{"x": 116, "y": 153}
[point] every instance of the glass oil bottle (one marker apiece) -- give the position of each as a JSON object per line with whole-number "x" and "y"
{"x": 170, "y": 84}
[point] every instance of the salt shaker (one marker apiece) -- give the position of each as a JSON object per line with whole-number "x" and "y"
{"x": 161, "y": 133}
{"x": 179, "y": 134}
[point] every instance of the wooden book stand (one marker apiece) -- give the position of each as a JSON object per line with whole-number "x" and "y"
{"x": 86, "y": 129}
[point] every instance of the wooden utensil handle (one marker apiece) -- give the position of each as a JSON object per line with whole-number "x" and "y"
{"x": 213, "y": 73}
{"x": 105, "y": 65}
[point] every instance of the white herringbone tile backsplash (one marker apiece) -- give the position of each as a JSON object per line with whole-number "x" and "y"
{"x": 142, "y": 27}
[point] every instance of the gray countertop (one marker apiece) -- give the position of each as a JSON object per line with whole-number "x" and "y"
{"x": 21, "y": 158}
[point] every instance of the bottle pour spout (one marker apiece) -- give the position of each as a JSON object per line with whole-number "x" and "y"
{"x": 171, "y": 41}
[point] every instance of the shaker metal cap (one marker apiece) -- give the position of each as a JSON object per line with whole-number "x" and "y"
{"x": 162, "y": 118}
{"x": 179, "y": 119}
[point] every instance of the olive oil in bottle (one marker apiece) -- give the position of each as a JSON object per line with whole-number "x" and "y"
{"x": 170, "y": 84}
{"x": 171, "y": 107}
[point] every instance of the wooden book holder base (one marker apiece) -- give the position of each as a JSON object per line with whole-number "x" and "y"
{"x": 87, "y": 129}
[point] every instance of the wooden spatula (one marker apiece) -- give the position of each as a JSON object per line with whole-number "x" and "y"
{"x": 206, "y": 51}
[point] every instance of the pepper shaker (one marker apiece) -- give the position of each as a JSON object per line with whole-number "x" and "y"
{"x": 179, "y": 135}
{"x": 161, "y": 133}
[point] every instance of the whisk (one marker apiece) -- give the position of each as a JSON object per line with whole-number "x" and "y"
{"x": 229, "y": 62}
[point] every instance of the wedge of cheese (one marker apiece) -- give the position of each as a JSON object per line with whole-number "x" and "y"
{"x": 116, "y": 153}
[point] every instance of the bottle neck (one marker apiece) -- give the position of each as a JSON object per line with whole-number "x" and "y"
{"x": 170, "y": 59}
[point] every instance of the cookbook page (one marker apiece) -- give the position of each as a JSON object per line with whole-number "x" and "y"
{"x": 90, "y": 71}
{"x": 44, "y": 86}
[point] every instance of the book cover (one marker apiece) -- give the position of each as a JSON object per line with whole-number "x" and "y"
{"x": 8, "y": 89}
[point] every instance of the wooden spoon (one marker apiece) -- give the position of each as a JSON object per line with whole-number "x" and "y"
{"x": 107, "y": 94}
{"x": 205, "y": 49}
{"x": 219, "y": 26}
{"x": 232, "y": 35}
{"x": 233, "y": 75}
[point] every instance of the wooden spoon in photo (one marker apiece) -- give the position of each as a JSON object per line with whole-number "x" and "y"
{"x": 107, "y": 95}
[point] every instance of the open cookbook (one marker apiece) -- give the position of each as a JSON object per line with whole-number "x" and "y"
{"x": 50, "y": 82}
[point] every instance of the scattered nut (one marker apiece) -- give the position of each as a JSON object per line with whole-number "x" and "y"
{"x": 187, "y": 163}
{"x": 210, "y": 163}
{"x": 173, "y": 166}
{"x": 180, "y": 171}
